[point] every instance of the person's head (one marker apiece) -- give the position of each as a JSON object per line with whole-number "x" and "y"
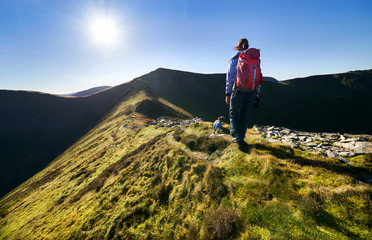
{"x": 221, "y": 118}
{"x": 242, "y": 45}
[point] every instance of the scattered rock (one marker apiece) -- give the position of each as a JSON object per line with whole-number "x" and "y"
{"x": 330, "y": 144}
{"x": 302, "y": 138}
{"x": 165, "y": 122}
{"x": 286, "y": 131}
{"x": 311, "y": 145}
{"x": 331, "y": 154}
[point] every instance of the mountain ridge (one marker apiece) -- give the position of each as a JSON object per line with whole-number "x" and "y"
{"x": 44, "y": 125}
{"x": 177, "y": 183}
{"x": 88, "y": 92}
{"x": 127, "y": 179}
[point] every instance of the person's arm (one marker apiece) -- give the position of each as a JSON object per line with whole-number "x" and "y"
{"x": 258, "y": 91}
{"x": 261, "y": 80}
{"x": 231, "y": 73}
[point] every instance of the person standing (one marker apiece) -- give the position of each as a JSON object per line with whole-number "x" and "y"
{"x": 241, "y": 95}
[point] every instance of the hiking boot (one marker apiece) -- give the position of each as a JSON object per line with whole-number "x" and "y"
{"x": 243, "y": 146}
{"x": 243, "y": 143}
{"x": 234, "y": 140}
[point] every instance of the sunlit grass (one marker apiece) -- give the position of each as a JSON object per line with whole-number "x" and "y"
{"x": 152, "y": 182}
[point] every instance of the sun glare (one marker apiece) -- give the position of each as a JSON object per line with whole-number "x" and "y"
{"x": 104, "y": 30}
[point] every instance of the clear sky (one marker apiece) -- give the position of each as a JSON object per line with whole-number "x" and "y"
{"x": 63, "y": 46}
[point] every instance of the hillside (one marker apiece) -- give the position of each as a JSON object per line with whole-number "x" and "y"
{"x": 35, "y": 128}
{"x": 324, "y": 103}
{"x": 150, "y": 182}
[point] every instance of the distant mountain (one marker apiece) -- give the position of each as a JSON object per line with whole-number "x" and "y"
{"x": 270, "y": 79}
{"x": 35, "y": 127}
{"x": 324, "y": 103}
{"x": 88, "y": 92}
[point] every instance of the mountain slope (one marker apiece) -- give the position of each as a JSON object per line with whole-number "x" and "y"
{"x": 329, "y": 103}
{"x": 35, "y": 128}
{"x": 324, "y": 103}
{"x": 150, "y": 182}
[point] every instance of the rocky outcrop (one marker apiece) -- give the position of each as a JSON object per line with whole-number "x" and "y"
{"x": 165, "y": 122}
{"x": 330, "y": 144}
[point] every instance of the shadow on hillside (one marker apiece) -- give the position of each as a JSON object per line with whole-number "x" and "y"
{"x": 286, "y": 152}
{"x": 244, "y": 147}
{"x": 324, "y": 218}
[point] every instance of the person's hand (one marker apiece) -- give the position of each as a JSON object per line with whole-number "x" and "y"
{"x": 227, "y": 100}
{"x": 256, "y": 101}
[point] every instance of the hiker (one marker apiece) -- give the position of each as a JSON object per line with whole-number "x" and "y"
{"x": 243, "y": 85}
{"x": 218, "y": 124}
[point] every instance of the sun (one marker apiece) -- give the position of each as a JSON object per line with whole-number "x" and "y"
{"x": 104, "y": 30}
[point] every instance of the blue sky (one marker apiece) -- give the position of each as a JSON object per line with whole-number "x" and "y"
{"x": 47, "y": 45}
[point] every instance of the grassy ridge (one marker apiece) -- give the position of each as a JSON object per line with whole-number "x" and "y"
{"x": 35, "y": 128}
{"x": 176, "y": 183}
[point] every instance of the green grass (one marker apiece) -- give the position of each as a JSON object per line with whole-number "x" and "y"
{"x": 38, "y": 127}
{"x": 177, "y": 183}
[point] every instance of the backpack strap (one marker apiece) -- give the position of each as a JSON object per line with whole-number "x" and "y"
{"x": 235, "y": 57}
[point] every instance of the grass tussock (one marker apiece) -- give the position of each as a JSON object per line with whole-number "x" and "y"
{"x": 220, "y": 224}
{"x": 201, "y": 143}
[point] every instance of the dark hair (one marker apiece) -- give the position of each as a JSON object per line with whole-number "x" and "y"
{"x": 221, "y": 118}
{"x": 242, "y": 45}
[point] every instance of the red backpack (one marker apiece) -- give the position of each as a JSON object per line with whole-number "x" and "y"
{"x": 249, "y": 74}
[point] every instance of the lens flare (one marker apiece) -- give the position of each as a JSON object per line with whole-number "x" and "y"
{"x": 104, "y": 30}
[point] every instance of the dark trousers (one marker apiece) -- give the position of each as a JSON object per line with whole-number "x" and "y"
{"x": 240, "y": 108}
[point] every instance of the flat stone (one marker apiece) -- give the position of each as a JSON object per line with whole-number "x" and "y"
{"x": 343, "y": 160}
{"x": 326, "y": 144}
{"x": 348, "y": 154}
{"x": 331, "y": 154}
{"x": 349, "y": 140}
{"x": 260, "y": 129}
{"x": 318, "y": 149}
{"x": 286, "y": 131}
{"x": 269, "y": 134}
{"x": 302, "y": 138}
